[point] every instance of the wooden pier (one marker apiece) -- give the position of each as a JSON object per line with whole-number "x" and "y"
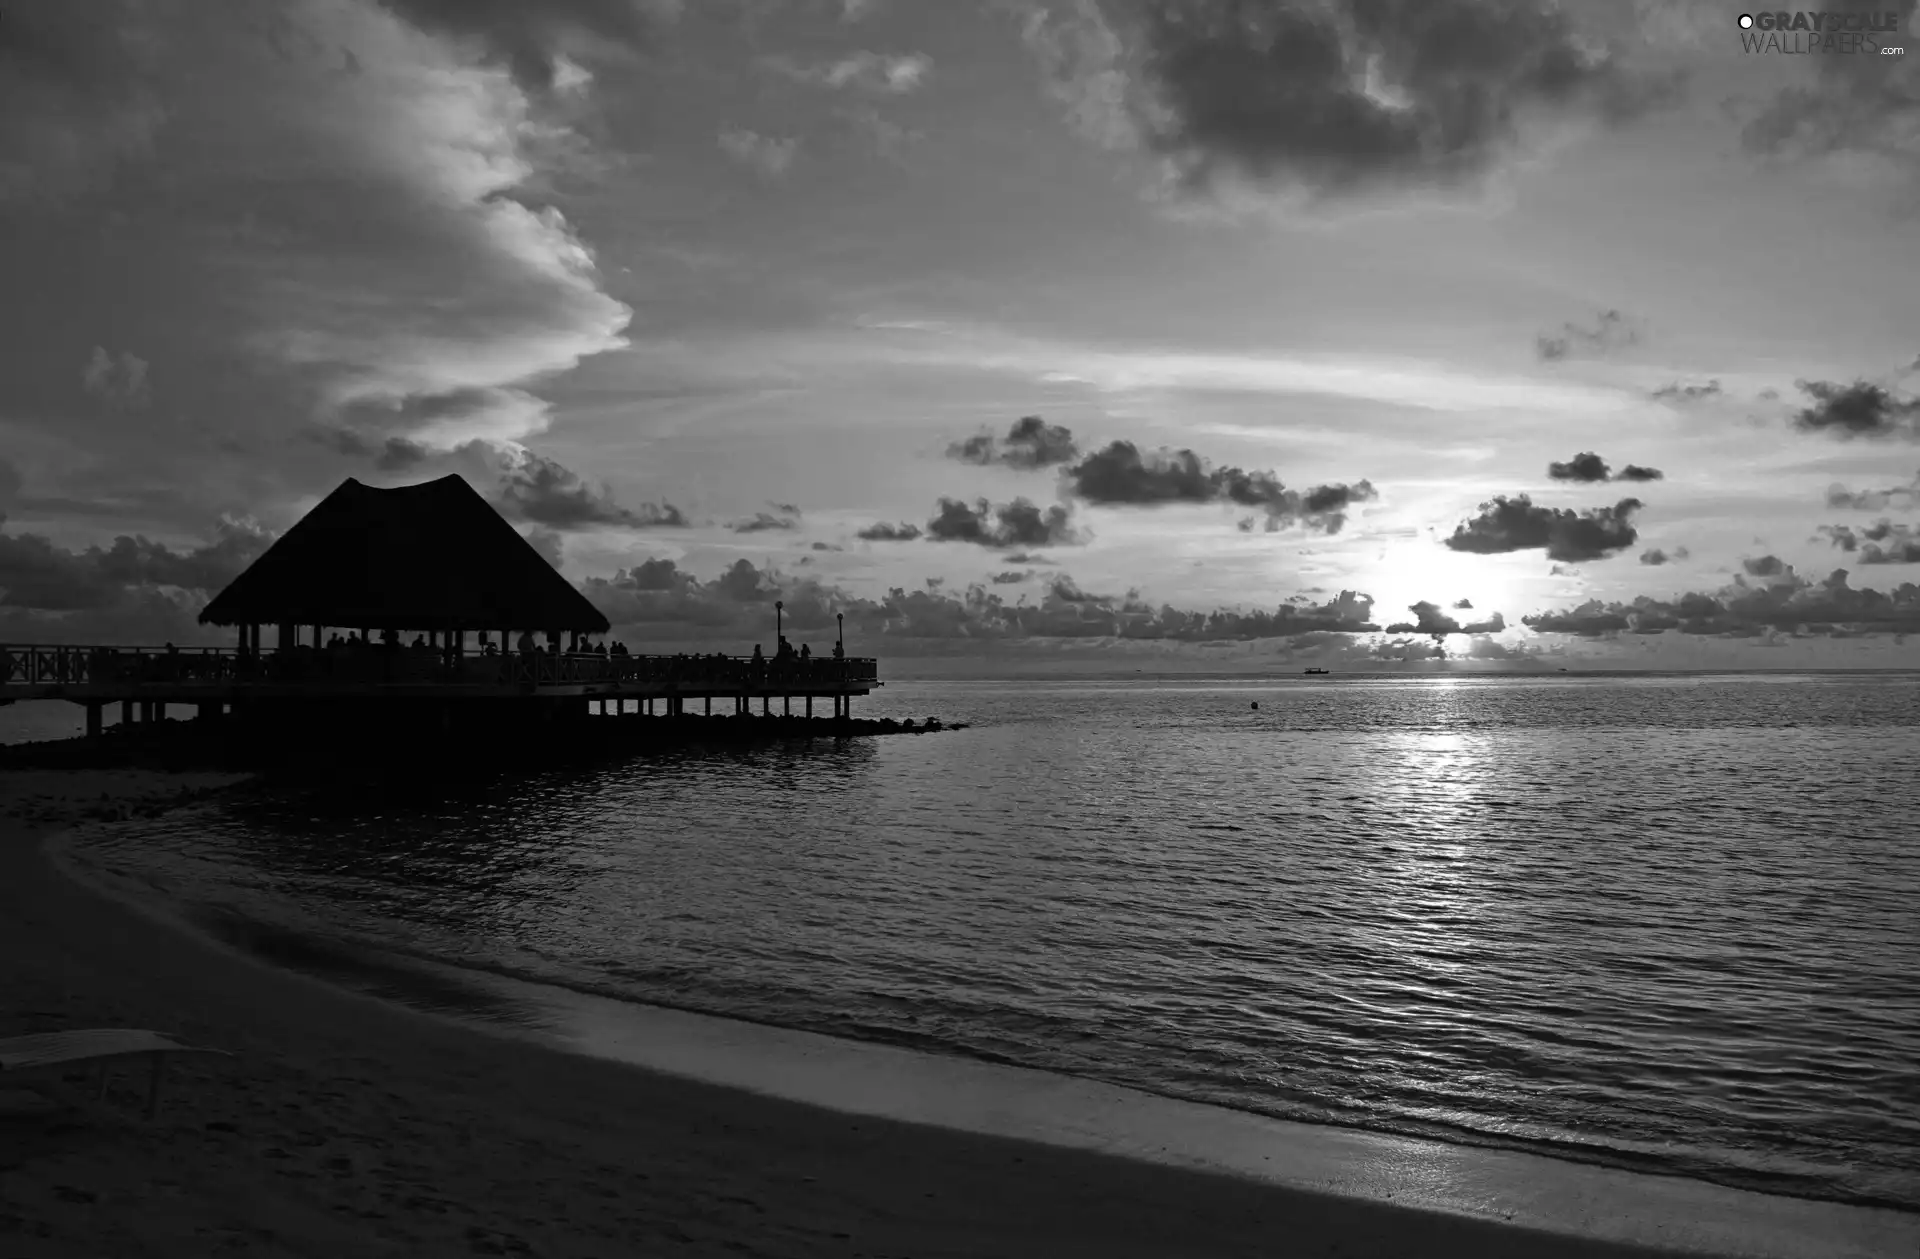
{"x": 217, "y": 682}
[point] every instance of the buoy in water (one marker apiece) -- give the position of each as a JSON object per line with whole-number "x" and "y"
{"x": 1256, "y": 703}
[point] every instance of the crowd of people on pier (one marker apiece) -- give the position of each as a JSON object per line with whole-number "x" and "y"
{"x": 384, "y": 653}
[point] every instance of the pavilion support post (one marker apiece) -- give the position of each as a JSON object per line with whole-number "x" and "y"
{"x": 766, "y": 703}
{"x": 126, "y": 712}
{"x": 809, "y": 708}
{"x": 709, "y": 709}
{"x": 93, "y": 719}
{"x": 786, "y": 705}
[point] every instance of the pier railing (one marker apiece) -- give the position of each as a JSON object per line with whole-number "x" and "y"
{"x": 57, "y": 665}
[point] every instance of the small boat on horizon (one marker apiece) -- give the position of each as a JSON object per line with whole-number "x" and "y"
{"x": 1316, "y": 670}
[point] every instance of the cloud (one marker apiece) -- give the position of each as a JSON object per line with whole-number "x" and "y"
{"x": 1585, "y": 466}
{"x": 1462, "y": 604}
{"x": 1635, "y": 472}
{"x": 1029, "y": 444}
{"x": 1860, "y": 107}
{"x": 1611, "y": 332}
{"x": 544, "y": 492}
{"x": 1656, "y": 556}
{"x": 1430, "y": 618}
{"x": 121, "y": 380}
{"x": 763, "y": 522}
{"x": 889, "y": 74}
{"x": 1788, "y": 603}
{"x": 1882, "y": 542}
{"x": 1683, "y": 394}
{"x": 1082, "y": 68}
{"x": 769, "y": 155}
{"x": 1122, "y": 476}
{"x": 1862, "y": 409}
{"x": 1896, "y": 498}
{"x": 1346, "y": 96}
{"x": 1018, "y": 523}
{"x": 1764, "y": 566}
{"x": 1011, "y": 577}
{"x": 884, "y": 532}
{"x": 887, "y": 139}
{"x": 329, "y": 216}
{"x": 657, "y": 601}
{"x": 528, "y": 38}
{"x": 1516, "y": 524}
{"x": 392, "y": 454}
{"x": 133, "y": 590}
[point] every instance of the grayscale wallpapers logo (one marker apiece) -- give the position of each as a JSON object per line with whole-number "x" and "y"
{"x": 1804, "y": 32}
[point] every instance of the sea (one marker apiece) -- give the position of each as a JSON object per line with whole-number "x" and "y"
{"x": 1669, "y": 923}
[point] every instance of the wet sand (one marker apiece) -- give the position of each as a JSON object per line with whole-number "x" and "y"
{"x": 349, "y": 1126}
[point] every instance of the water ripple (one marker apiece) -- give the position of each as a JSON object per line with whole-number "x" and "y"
{"x": 1661, "y": 923}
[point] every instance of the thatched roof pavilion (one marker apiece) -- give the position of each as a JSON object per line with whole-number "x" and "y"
{"x": 434, "y": 556}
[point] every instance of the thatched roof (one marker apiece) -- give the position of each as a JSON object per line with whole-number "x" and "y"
{"x": 434, "y": 556}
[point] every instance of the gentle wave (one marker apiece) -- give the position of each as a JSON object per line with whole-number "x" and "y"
{"x": 1661, "y": 924}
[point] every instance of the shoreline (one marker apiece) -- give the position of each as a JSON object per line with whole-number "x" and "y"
{"x": 521, "y": 1145}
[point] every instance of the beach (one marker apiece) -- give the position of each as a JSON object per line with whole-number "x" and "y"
{"x": 343, "y": 1125}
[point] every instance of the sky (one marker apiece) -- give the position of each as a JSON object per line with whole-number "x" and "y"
{"x": 1193, "y": 331}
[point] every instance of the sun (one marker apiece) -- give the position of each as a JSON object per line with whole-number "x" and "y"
{"x": 1419, "y": 571}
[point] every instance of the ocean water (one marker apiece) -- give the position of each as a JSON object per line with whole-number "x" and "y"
{"x": 1664, "y": 923}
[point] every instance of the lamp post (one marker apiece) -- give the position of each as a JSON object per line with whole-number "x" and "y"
{"x": 840, "y": 618}
{"x": 779, "y": 606}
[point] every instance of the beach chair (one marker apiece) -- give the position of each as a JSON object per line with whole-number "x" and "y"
{"x": 100, "y": 1046}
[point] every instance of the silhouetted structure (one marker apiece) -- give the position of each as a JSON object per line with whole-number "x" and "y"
{"x": 435, "y": 562}
{"x": 434, "y": 556}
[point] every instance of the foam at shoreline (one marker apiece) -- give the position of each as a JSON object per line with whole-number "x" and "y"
{"x": 884, "y": 1081}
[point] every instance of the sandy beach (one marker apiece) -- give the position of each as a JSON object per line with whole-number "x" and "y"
{"x": 346, "y": 1126}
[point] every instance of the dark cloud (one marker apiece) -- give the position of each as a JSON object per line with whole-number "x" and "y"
{"x": 1764, "y": 566}
{"x": 1430, "y": 618}
{"x": 1462, "y": 604}
{"x": 1025, "y": 557}
{"x": 1862, "y": 409}
{"x": 1516, "y": 524}
{"x": 393, "y": 454}
{"x": 1354, "y": 95}
{"x": 656, "y": 601}
{"x": 1121, "y": 475}
{"x": 826, "y": 546}
{"x": 1862, "y": 106}
{"x": 1882, "y": 542}
{"x": 765, "y": 522}
{"x": 1635, "y": 472}
{"x": 1895, "y": 498}
{"x": 1018, "y": 523}
{"x": 1611, "y": 331}
{"x": 544, "y": 492}
{"x": 1585, "y": 466}
{"x": 785, "y": 509}
{"x": 1787, "y": 603}
{"x": 884, "y": 532}
{"x": 526, "y": 36}
{"x": 1683, "y": 394}
{"x": 1031, "y": 443}
{"x": 1012, "y": 577}
{"x": 1656, "y": 556}
{"x": 133, "y": 590}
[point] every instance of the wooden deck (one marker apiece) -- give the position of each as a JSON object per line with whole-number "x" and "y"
{"x": 223, "y": 675}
